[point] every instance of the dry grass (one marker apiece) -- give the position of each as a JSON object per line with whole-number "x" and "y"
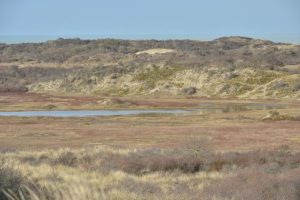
{"x": 49, "y": 176}
{"x": 253, "y": 184}
{"x": 115, "y": 173}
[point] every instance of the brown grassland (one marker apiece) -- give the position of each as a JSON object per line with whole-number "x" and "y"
{"x": 236, "y": 154}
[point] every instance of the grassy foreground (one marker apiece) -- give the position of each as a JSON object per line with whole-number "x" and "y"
{"x": 192, "y": 172}
{"x": 209, "y": 156}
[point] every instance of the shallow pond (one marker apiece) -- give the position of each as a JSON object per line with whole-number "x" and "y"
{"x": 201, "y": 109}
{"x": 87, "y": 113}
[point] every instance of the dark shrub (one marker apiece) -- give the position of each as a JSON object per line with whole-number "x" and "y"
{"x": 296, "y": 86}
{"x": 190, "y": 161}
{"x": 189, "y": 90}
{"x": 67, "y": 159}
{"x": 10, "y": 179}
{"x": 145, "y": 162}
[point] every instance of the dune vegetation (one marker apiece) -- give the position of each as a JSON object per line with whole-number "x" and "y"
{"x": 237, "y": 67}
{"x": 193, "y": 171}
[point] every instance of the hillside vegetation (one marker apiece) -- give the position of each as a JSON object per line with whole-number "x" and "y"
{"x": 226, "y": 67}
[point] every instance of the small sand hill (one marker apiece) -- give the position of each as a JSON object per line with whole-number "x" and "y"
{"x": 156, "y": 51}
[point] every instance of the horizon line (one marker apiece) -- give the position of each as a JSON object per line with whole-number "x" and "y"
{"x": 19, "y": 39}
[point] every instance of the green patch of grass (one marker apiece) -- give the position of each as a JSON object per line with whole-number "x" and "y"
{"x": 117, "y": 91}
{"x": 249, "y": 81}
{"x": 263, "y": 77}
{"x": 259, "y": 77}
{"x": 243, "y": 88}
{"x": 152, "y": 76}
{"x": 178, "y": 85}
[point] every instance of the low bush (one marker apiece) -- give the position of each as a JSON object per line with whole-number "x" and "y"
{"x": 296, "y": 87}
{"x": 276, "y": 116}
{"x": 148, "y": 161}
{"x": 66, "y": 158}
{"x": 10, "y": 180}
{"x": 189, "y": 90}
{"x": 139, "y": 164}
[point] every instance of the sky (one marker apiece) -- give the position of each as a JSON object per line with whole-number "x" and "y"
{"x": 29, "y": 20}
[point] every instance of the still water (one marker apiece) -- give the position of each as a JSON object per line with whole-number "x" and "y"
{"x": 87, "y": 113}
{"x": 203, "y": 108}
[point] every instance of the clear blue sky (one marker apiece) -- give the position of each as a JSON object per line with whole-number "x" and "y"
{"x": 277, "y": 20}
